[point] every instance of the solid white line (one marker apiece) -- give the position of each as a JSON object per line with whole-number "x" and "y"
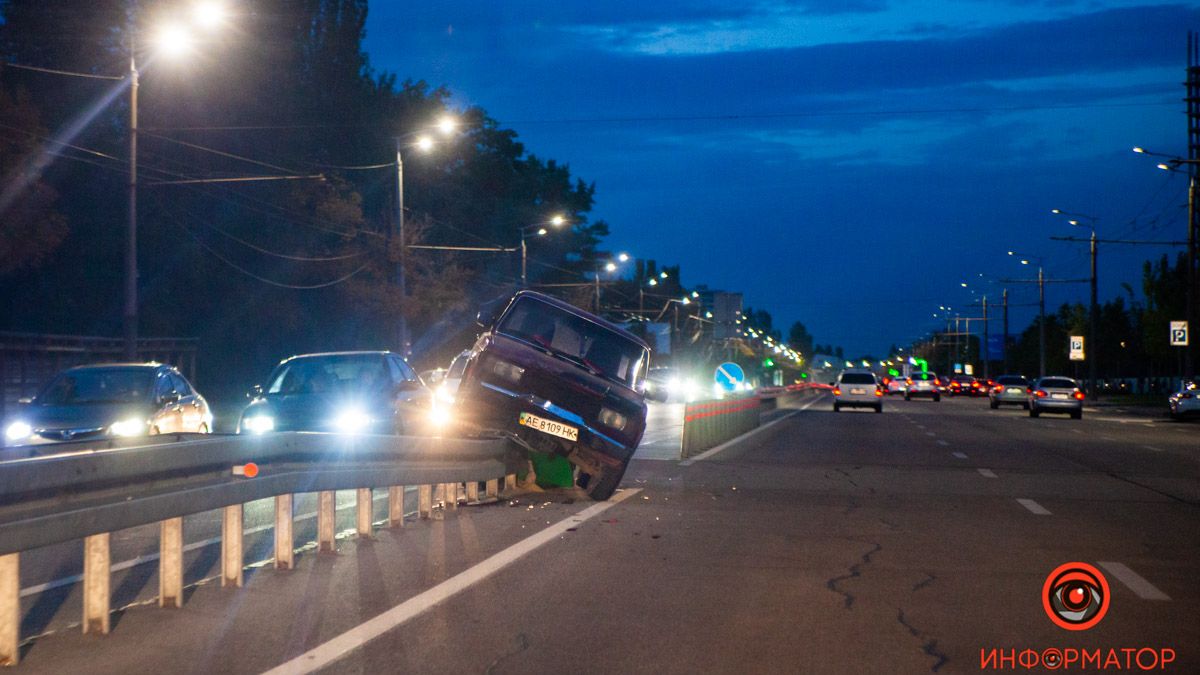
{"x": 724, "y": 446}
{"x": 1151, "y": 447}
{"x": 151, "y": 557}
{"x": 333, "y": 650}
{"x": 987, "y": 473}
{"x": 1034, "y": 507}
{"x": 941, "y": 442}
{"x": 1140, "y": 587}
{"x": 960, "y": 455}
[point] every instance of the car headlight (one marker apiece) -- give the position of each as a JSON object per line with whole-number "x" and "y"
{"x": 612, "y": 419}
{"x": 444, "y": 394}
{"x": 259, "y": 424}
{"x": 133, "y": 426}
{"x": 439, "y": 415}
{"x": 352, "y": 421}
{"x": 18, "y": 431}
{"x": 508, "y": 371}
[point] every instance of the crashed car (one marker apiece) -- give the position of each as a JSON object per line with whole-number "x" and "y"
{"x": 558, "y": 380}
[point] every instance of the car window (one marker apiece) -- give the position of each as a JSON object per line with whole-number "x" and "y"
{"x": 858, "y": 378}
{"x": 181, "y": 385}
{"x": 331, "y": 374}
{"x": 96, "y": 386}
{"x": 591, "y": 345}
{"x": 1057, "y": 383}
{"x": 458, "y": 366}
{"x": 163, "y": 386}
{"x": 406, "y": 372}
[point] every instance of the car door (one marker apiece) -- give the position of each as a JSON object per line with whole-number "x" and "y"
{"x": 168, "y": 415}
{"x": 411, "y": 396}
{"x": 192, "y": 410}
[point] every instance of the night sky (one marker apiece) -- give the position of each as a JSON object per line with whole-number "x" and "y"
{"x": 846, "y": 163}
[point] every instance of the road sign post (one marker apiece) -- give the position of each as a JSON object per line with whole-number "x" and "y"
{"x": 1077, "y": 348}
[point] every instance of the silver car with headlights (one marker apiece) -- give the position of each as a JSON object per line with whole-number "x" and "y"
{"x": 857, "y": 389}
{"x": 1185, "y": 402}
{"x": 1010, "y": 390}
{"x": 1056, "y": 395}
{"x": 922, "y": 384}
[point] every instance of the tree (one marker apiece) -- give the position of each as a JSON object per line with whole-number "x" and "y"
{"x": 31, "y": 227}
{"x": 800, "y": 340}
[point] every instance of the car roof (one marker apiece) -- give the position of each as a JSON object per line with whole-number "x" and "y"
{"x": 350, "y": 353}
{"x": 151, "y": 365}
{"x": 568, "y": 307}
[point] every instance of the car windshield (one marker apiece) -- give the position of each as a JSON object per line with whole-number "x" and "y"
{"x": 457, "y": 368}
{"x": 334, "y": 373}
{"x": 1011, "y": 380}
{"x": 97, "y": 386}
{"x": 858, "y": 378}
{"x": 591, "y": 345}
{"x": 923, "y": 376}
{"x": 1057, "y": 383}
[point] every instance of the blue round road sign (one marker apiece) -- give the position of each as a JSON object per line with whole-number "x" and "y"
{"x": 729, "y": 376}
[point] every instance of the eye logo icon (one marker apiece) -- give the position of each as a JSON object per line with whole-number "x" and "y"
{"x": 1075, "y": 596}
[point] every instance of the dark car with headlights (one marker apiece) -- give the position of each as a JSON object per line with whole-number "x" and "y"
{"x": 110, "y": 400}
{"x": 339, "y": 392}
{"x": 558, "y": 380}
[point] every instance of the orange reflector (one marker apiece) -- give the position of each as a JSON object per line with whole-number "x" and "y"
{"x": 247, "y": 470}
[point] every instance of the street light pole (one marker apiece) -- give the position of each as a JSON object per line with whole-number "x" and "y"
{"x": 400, "y": 282}
{"x": 1004, "y": 297}
{"x": 1093, "y": 319}
{"x": 986, "y": 347}
{"x": 1041, "y": 323}
{"x": 131, "y": 266}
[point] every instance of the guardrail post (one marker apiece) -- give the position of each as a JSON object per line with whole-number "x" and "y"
{"x": 325, "y": 516}
{"x": 231, "y": 546}
{"x": 364, "y": 512}
{"x": 10, "y": 609}
{"x": 396, "y": 506}
{"x": 284, "y": 542}
{"x": 493, "y": 488}
{"x": 170, "y": 563}
{"x": 425, "y": 501}
{"x": 510, "y": 481}
{"x": 452, "y": 496}
{"x": 472, "y": 492}
{"x": 96, "y": 579}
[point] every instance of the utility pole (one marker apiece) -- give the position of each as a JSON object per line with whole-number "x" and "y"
{"x": 1193, "y": 122}
{"x": 400, "y": 283}
{"x": 1041, "y": 323}
{"x": 1004, "y": 296}
{"x": 131, "y": 266}
{"x": 1093, "y": 317}
{"x": 986, "y": 350}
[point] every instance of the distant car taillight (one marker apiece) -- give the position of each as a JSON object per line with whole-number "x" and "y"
{"x": 837, "y": 391}
{"x": 1040, "y": 393}
{"x": 908, "y": 381}
{"x": 998, "y": 389}
{"x": 879, "y": 391}
{"x": 1079, "y": 395}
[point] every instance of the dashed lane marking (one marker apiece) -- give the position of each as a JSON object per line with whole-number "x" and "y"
{"x": 1151, "y": 447}
{"x": 960, "y": 455}
{"x": 987, "y": 473}
{"x": 1140, "y": 587}
{"x": 349, "y": 641}
{"x": 941, "y": 442}
{"x": 930, "y": 433}
{"x": 1034, "y": 507}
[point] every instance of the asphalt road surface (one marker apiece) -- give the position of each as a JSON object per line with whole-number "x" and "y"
{"x": 914, "y": 541}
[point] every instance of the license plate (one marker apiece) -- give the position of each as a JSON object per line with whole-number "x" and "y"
{"x": 549, "y": 427}
{"x": 1014, "y": 390}
{"x": 858, "y": 391}
{"x": 1059, "y": 396}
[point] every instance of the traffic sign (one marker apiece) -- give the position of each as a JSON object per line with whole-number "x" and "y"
{"x": 1077, "y": 348}
{"x": 1179, "y": 333}
{"x": 729, "y": 376}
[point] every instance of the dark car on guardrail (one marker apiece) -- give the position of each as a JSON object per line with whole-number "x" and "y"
{"x": 558, "y": 380}
{"x": 110, "y": 400}
{"x": 339, "y": 392}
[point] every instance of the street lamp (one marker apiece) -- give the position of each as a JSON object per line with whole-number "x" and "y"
{"x": 1093, "y": 309}
{"x": 172, "y": 40}
{"x": 424, "y": 143}
{"x": 1041, "y": 282}
{"x": 609, "y": 266}
{"x": 557, "y": 220}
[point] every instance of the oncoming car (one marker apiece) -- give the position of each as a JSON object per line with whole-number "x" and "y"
{"x": 857, "y": 389}
{"x": 122, "y": 399}
{"x": 558, "y": 380}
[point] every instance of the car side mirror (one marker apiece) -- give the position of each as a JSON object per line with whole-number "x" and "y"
{"x": 255, "y": 391}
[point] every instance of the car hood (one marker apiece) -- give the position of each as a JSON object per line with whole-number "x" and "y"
{"x": 312, "y": 412}
{"x": 82, "y": 416}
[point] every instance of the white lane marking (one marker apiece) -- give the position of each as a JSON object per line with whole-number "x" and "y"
{"x": 151, "y": 557}
{"x": 960, "y": 455}
{"x": 1140, "y": 587}
{"x": 920, "y": 426}
{"x": 1151, "y": 447}
{"x": 987, "y": 473}
{"x": 941, "y": 442}
{"x": 722, "y": 447}
{"x": 1076, "y": 431}
{"x": 930, "y": 433}
{"x": 1108, "y": 438}
{"x": 1034, "y": 507}
{"x": 324, "y": 654}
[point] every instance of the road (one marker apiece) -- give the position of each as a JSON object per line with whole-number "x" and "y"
{"x": 911, "y": 541}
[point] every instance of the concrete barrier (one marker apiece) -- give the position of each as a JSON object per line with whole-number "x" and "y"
{"x": 707, "y": 424}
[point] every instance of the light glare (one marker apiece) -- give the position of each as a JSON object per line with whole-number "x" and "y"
{"x": 209, "y": 14}
{"x": 173, "y": 41}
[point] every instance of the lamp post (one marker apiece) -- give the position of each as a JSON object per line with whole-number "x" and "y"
{"x": 1041, "y": 282}
{"x": 173, "y": 40}
{"x": 1093, "y": 308}
{"x": 424, "y": 143}
{"x": 540, "y": 230}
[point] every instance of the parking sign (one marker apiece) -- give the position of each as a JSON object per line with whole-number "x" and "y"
{"x": 1179, "y": 334}
{"x": 1077, "y": 348}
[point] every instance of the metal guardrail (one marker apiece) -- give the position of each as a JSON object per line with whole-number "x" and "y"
{"x": 90, "y": 489}
{"x": 707, "y": 424}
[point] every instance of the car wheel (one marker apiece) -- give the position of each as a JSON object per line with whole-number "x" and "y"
{"x": 907, "y": 397}
{"x": 837, "y": 407}
{"x": 603, "y": 488}
{"x": 1033, "y": 412}
{"x": 879, "y": 408}
{"x": 995, "y": 405}
{"x": 936, "y": 398}
{"x": 203, "y": 429}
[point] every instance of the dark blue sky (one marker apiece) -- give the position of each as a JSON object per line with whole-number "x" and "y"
{"x": 846, "y": 163}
